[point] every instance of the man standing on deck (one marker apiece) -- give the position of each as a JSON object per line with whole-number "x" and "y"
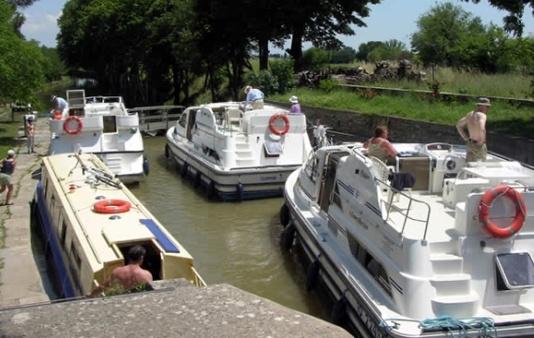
{"x": 475, "y": 123}
{"x": 254, "y": 97}
{"x": 128, "y": 278}
{"x": 60, "y": 105}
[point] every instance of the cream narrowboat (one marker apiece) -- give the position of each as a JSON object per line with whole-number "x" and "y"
{"x": 90, "y": 219}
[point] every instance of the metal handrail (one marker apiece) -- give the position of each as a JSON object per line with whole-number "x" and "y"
{"x": 408, "y": 209}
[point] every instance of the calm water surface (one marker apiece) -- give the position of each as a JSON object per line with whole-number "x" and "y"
{"x": 234, "y": 243}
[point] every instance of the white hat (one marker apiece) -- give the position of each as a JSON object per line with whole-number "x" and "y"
{"x": 247, "y": 88}
{"x": 484, "y": 101}
{"x": 53, "y": 98}
{"x": 11, "y": 152}
{"x": 294, "y": 99}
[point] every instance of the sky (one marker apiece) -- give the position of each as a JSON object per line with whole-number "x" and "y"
{"x": 391, "y": 19}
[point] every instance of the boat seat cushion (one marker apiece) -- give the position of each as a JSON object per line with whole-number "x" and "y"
{"x": 161, "y": 237}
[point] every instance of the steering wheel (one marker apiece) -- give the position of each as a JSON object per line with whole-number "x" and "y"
{"x": 450, "y": 163}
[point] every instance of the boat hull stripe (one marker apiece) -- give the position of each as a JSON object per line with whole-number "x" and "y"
{"x": 373, "y": 208}
{"x": 161, "y": 237}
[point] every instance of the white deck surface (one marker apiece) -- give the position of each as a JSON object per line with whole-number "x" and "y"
{"x": 440, "y": 220}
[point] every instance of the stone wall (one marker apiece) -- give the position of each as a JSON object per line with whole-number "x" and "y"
{"x": 362, "y": 126}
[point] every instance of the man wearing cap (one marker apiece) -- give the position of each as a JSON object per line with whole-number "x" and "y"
{"x": 60, "y": 105}
{"x": 475, "y": 123}
{"x": 254, "y": 97}
{"x": 295, "y": 106}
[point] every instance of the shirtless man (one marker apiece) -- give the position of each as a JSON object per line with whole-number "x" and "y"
{"x": 130, "y": 276}
{"x": 475, "y": 122}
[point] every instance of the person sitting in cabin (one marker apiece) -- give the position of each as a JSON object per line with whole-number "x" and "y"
{"x": 128, "y": 278}
{"x": 295, "y": 105}
{"x": 379, "y": 145}
{"x": 7, "y": 169}
{"x": 254, "y": 98}
{"x": 60, "y": 108}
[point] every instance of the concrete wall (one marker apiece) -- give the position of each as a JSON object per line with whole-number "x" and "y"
{"x": 404, "y": 130}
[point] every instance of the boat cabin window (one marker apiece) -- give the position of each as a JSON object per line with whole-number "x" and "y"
{"x": 75, "y": 256}
{"x": 514, "y": 271}
{"x": 373, "y": 267}
{"x": 183, "y": 120}
{"x": 152, "y": 260}
{"x": 110, "y": 124}
{"x": 45, "y": 187}
{"x": 63, "y": 233}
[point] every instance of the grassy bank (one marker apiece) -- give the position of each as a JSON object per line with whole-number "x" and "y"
{"x": 8, "y": 130}
{"x": 455, "y": 81}
{"x": 502, "y": 117}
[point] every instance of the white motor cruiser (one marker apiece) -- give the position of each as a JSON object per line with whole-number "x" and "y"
{"x": 238, "y": 154}
{"x": 101, "y": 125}
{"x": 429, "y": 246}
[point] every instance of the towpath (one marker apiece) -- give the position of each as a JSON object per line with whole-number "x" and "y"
{"x": 20, "y": 278}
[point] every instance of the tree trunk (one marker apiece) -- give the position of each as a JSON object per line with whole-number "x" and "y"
{"x": 263, "y": 46}
{"x": 296, "y": 46}
{"x": 176, "y": 83}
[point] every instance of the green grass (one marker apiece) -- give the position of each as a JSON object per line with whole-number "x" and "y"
{"x": 474, "y": 83}
{"x": 502, "y": 117}
{"x": 8, "y": 130}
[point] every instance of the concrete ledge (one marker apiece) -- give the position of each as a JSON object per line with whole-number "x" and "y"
{"x": 177, "y": 310}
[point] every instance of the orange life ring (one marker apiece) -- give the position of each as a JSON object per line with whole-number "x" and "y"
{"x": 73, "y": 131}
{"x": 273, "y": 124}
{"x": 58, "y": 115}
{"x": 111, "y": 206}
{"x": 520, "y": 211}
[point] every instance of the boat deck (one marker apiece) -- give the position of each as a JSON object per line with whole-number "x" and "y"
{"x": 440, "y": 217}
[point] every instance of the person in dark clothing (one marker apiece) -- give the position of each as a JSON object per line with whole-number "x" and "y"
{"x": 6, "y": 170}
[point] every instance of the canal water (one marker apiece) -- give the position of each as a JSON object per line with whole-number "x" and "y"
{"x": 235, "y": 243}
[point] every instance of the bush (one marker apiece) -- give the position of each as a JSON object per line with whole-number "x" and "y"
{"x": 328, "y": 85}
{"x": 278, "y": 80}
{"x": 315, "y": 59}
{"x": 282, "y": 71}
{"x": 264, "y": 81}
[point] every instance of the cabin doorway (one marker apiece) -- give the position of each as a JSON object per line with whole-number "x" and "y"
{"x": 152, "y": 261}
{"x": 329, "y": 178}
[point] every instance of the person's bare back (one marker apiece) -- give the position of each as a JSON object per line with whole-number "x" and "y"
{"x": 131, "y": 276}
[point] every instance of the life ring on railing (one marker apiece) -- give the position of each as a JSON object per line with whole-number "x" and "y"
{"x": 111, "y": 206}
{"x": 274, "y": 121}
{"x": 520, "y": 211}
{"x": 70, "y": 120}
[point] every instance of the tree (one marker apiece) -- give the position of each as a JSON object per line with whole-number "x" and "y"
{"x": 365, "y": 48}
{"x": 53, "y": 68}
{"x": 441, "y": 30}
{"x": 344, "y": 55}
{"x": 319, "y": 21}
{"x": 514, "y": 21}
{"x": 389, "y": 50}
{"x": 222, "y": 42}
{"x": 20, "y": 61}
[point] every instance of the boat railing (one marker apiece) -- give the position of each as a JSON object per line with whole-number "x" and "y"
{"x": 197, "y": 279}
{"x": 103, "y": 99}
{"x": 408, "y": 212}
